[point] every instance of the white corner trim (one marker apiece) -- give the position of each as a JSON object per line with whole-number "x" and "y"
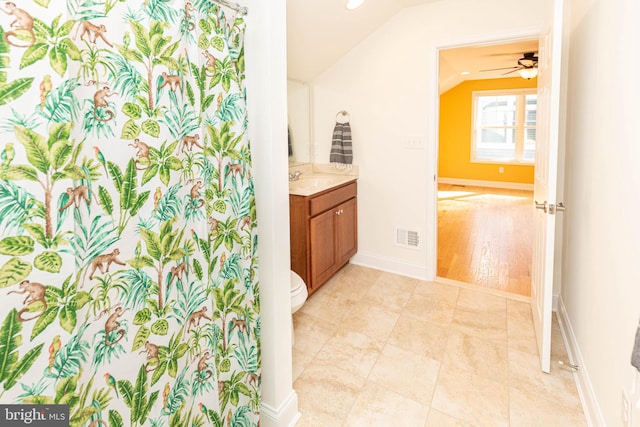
{"x": 480, "y": 183}
{"x": 285, "y": 416}
{"x": 590, "y": 405}
{"x": 390, "y": 265}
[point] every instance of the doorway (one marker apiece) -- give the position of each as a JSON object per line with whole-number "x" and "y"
{"x": 484, "y": 215}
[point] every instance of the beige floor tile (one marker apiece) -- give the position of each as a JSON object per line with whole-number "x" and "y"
{"x": 438, "y": 419}
{"x": 311, "y": 418}
{"x": 471, "y": 398}
{"x": 474, "y": 366}
{"x": 430, "y": 309}
{"x": 419, "y": 337}
{"x": 442, "y": 291}
{"x": 478, "y": 355}
{"x": 530, "y": 410}
{"x": 300, "y": 361}
{"x": 378, "y": 407}
{"x": 520, "y": 331}
{"x": 326, "y": 305}
{"x": 391, "y": 292}
{"x": 351, "y": 351}
{"x": 406, "y": 373}
{"x": 311, "y": 333}
{"x": 358, "y": 273}
{"x": 558, "y": 386}
{"x": 521, "y": 336}
{"x": 407, "y": 283}
{"x": 487, "y": 325}
{"x": 371, "y": 320}
{"x": 328, "y": 390}
{"x": 481, "y": 301}
{"x": 519, "y": 311}
{"x": 353, "y": 281}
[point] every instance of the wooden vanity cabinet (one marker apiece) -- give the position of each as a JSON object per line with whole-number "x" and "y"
{"x": 324, "y": 233}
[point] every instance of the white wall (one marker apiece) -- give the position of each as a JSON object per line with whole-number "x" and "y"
{"x": 601, "y": 259}
{"x": 267, "y": 108}
{"x": 384, "y": 83}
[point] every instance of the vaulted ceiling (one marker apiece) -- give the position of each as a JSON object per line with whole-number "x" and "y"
{"x": 320, "y": 32}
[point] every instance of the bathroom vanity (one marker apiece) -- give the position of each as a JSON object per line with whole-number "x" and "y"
{"x": 323, "y": 226}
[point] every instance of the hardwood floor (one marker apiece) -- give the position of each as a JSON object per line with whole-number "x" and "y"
{"x": 485, "y": 237}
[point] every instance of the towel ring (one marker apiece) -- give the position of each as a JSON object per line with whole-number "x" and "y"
{"x": 345, "y": 116}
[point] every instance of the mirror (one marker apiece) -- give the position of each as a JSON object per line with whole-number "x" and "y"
{"x": 299, "y": 112}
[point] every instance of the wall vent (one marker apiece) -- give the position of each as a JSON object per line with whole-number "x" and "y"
{"x": 407, "y": 237}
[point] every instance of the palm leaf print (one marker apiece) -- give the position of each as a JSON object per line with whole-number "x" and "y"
{"x": 139, "y": 244}
{"x": 62, "y": 106}
{"x": 161, "y": 10}
{"x": 12, "y": 366}
{"x": 180, "y": 121}
{"x": 125, "y": 77}
{"x": 190, "y": 298}
{"x": 92, "y": 240}
{"x": 231, "y": 109}
{"x": 82, "y": 10}
{"x": 138, "y": 289}
{"x": 16, "y": 205}
{"x": 69, "y": 359}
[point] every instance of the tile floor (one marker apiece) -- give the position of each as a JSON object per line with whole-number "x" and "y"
{"x": 377, "y": 349}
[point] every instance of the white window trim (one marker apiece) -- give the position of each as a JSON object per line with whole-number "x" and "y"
{"x": 520, "y": 123}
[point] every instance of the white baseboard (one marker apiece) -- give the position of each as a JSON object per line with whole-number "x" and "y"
{"x": 479, "y": 183}
{"x": 286, "y": 415}
{"x": 390, "y": 265}
{"x": 587, "y": 396}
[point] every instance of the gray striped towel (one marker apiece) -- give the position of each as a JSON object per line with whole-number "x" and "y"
{"x": 341, "y": 152}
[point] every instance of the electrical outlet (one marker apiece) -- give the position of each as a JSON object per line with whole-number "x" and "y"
{"x": 500, "y": 169}
{"x": 626, "y": 409}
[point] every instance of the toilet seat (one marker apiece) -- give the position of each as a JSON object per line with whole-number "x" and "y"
{"x": 298, "y": 292}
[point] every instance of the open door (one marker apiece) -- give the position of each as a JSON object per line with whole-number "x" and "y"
{"x": 545, "y": 181}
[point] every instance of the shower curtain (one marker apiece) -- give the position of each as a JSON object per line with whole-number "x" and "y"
{"x": 128, "y": 268}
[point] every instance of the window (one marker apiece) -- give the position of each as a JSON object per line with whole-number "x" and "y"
{"x": 504, "y": 126}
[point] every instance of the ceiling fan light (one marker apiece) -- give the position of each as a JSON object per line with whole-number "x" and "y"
{"x": 354, "y": 4}
{"x": 528, "y": 73}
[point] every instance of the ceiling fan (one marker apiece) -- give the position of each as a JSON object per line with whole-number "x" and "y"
{"x": 527, "y": 66}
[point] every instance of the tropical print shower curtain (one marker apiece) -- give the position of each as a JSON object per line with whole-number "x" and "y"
{"x": 128, "y": 270}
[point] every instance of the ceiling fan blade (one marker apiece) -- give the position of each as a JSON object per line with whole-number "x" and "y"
{"x": 497, "y": 69}
{"x": 512, "y": 71}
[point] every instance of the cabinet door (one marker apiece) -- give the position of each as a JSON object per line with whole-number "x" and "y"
{"x": 323, "y": 246}
{"x": 347, "y": 231}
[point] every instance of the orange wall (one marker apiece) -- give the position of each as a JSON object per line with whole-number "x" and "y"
{"x": 455, "y": 135}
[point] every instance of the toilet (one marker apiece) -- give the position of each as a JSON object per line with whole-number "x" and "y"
{"x": 298, "y": 296}
{"x": 298, "y": 292}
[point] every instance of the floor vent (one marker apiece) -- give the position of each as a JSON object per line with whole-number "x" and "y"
{"x": 408, "y": 238}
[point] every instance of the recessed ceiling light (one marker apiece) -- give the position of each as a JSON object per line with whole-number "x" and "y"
{"x": 465, "y": 73}
{"x": 353, "y": 4}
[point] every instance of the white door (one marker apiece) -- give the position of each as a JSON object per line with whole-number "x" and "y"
{"x": 545, "y": 182}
